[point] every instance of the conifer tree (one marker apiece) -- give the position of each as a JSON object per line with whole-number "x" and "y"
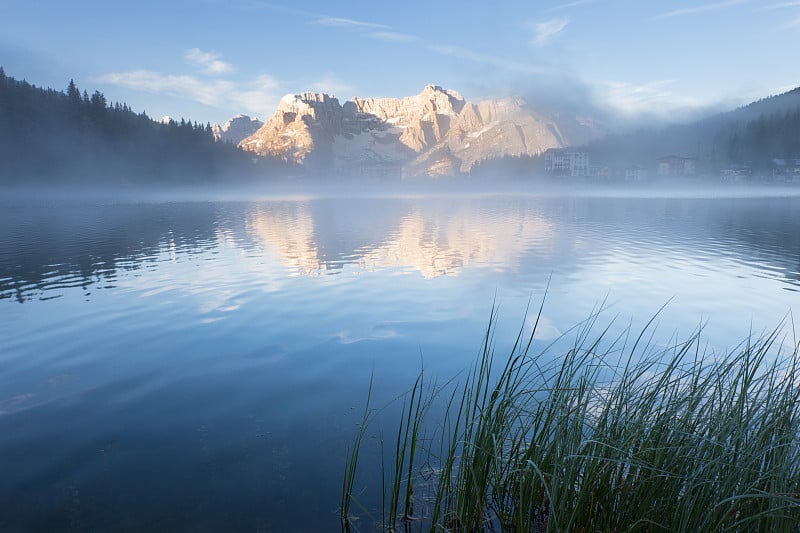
{"x": 73, "y": 93}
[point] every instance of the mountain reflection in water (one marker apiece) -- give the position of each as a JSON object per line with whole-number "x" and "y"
{"x": 46, "y": 249}
{"x": 202, "y": 365}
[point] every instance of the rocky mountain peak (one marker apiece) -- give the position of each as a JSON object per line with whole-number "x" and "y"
{"x": 306, "y": 100}
{"x": 236, "y": 129}
{"x": 435, "y": 91}
{"x": 435, "y": 132}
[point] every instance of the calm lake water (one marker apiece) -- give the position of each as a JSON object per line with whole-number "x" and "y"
{"x": 202, "y": 366}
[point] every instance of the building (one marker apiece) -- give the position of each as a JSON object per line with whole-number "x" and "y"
{"x": 565, "y": 162}
{"x": 735, "y": 173}
{"x": 599, "y": 172}
{"x": 636, "y": 173}
{"x": 787, "y": 170}
{"x": 673, "y": 165}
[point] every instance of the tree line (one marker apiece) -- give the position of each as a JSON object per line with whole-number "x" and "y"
{"x": 50, "y": 137}
{"x": 751, "y": 136}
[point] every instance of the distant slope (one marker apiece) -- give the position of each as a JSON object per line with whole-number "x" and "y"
{"x": 751, "y": 135}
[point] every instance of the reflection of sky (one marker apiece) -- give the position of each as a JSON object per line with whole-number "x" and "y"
{"x": 638, "y": 254}
{"x": 639, "y": 257}
{"x": 218, "y": 313}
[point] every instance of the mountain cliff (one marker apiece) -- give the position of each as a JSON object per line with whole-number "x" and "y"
{"x": 236, "y": 129}
{"x": 434, "y": 133}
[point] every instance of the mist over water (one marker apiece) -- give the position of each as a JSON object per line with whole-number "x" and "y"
{"x": 202, "y": 364}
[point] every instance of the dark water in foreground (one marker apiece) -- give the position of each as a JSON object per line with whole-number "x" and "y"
{"x": 202, "y": 366}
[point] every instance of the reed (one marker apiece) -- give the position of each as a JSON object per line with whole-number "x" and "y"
{"x": 609, "y": 436}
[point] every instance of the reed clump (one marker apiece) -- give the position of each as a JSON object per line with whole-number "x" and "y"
{"x": 613, "y": 435}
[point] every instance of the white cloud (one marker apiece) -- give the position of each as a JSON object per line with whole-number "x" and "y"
{"x": 650, "y": 98}
{"x": 183, "y": 86}
{"x": 544, "y": 31}
{"x": 347, "y": 23}
{"x": 478, "y": 57}
{"x": 701, "y": 9}
{"x": 392, "y": 36}
{"x": 257, "y": 97}
{"x": 781, "y": 5}
{"x": 208, "y": 61}
{"x": 332, "y": 86}
{"x": 321, "y": 18}
{"x": 570, "y": 4}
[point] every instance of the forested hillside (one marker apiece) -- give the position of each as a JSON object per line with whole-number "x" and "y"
{"x": 71, "y": 137}
{"x": 753, "y": 140}
{"x": 752, "y": 135}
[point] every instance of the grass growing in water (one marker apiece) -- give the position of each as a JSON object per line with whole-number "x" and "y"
{"x": 607, "y": 437}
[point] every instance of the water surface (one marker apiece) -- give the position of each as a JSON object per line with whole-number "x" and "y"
{"x": 201, "y": 366}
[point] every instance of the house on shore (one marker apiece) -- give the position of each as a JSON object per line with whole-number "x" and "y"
{"x": 735, "y": 173}
{"x": 673, "y": 165}
{"x": 565, "y": 162}
{"x": 636, "y": 173}
{"x": 786, "y": 170}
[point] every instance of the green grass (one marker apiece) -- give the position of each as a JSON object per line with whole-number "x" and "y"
{"x": 612, "y": 435}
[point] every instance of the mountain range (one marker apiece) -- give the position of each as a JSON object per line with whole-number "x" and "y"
{"x": 236, "y": 129}
{"x": 434, "y": 133}
{"x": 438, "y": 133}
{"x": 68, "y": 137}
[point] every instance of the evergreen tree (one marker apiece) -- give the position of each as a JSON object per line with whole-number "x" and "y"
{"x": 73, "y": 93}
{"x": 98, "y": 101}
{"x": 61, "y": 137}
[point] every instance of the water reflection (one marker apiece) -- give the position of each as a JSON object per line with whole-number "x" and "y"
{"x": 433, "y": 238}
{"x": 202, "y": 361}
{"x": 48, "y": 249}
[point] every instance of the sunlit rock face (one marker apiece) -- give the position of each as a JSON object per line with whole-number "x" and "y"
{"x": 422, "y": 241}
{"x": 434, "y": 133}
{"x": 301, "y": 130}
{"x": 236, "y": 129}
{"x": 290, "y": 234}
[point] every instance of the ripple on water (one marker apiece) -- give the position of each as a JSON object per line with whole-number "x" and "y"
{"x": 181, "y": 334}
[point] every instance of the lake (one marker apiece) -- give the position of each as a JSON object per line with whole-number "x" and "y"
{"x": 203, "y": 366}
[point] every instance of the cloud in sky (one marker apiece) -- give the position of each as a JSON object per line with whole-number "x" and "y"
{"x": 208, "y": 62}
{"x": 651, "y": 98}
{"x": 544, "y": 31}
{"x": 257, "y": 96}
{"x": 183, "y": 86}
{"x": 701, "y": 9}
{"x": 392, "y": 36}
{"x": 568, "y": 5}
{"x": 321, "y": 18}
{"x": 781, "y": 5}
{"x": 330, "y": 85}
{"x": 383, "y": 32}
{"x": 487, "y": 59}
{"x": 347, "y": 23}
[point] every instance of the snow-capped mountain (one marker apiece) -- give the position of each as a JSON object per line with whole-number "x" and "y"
{"x": 434, "y": 133}
{"x": 236, "y": 129}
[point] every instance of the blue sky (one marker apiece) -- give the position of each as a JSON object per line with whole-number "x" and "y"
{"x": 208, "y": 60}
